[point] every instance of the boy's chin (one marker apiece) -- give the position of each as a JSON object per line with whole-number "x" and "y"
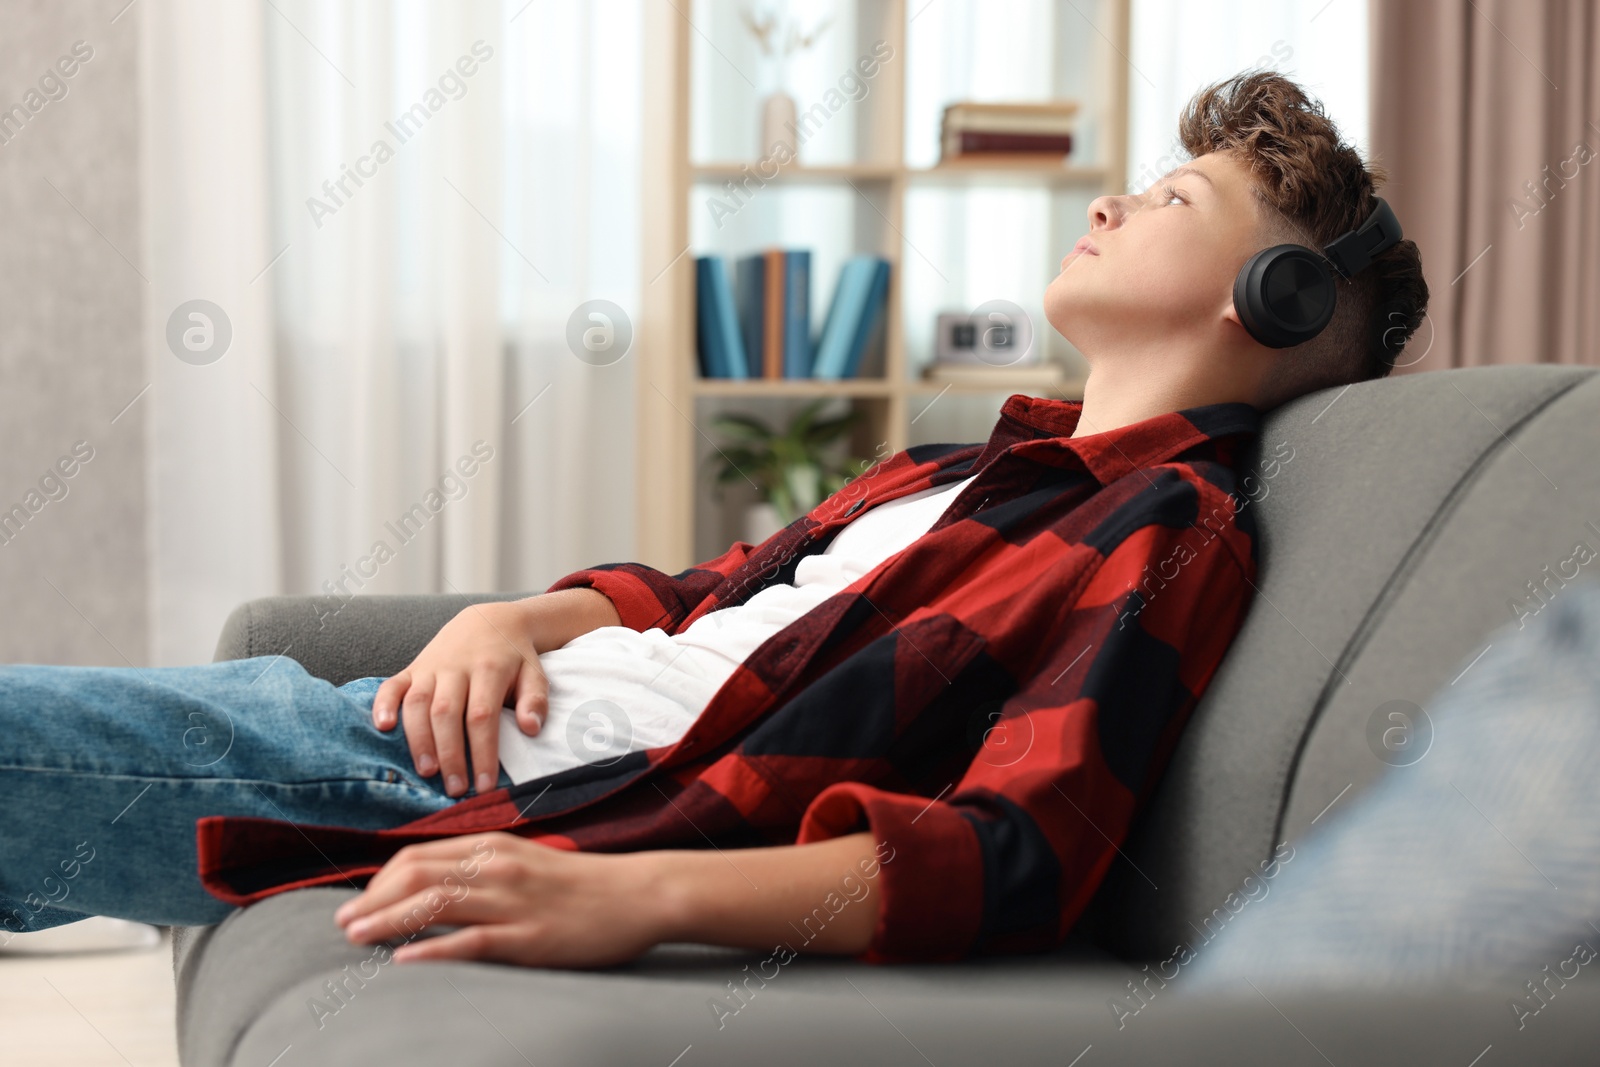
{"x": 1060, "y": 309}
{"x": 1091, "y": 319}
{"x": 1074, "y": 318}
{"x": 1087, "y": 301}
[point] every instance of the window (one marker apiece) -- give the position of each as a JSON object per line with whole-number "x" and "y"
{"x": 1181, "y": 46}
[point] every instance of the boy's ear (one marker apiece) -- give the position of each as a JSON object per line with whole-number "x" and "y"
{"x": 1230, "y": 314}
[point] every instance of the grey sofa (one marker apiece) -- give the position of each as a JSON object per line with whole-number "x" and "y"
{"x": 1412, "y": 512}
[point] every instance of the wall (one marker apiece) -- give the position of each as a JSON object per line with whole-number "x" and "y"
{"x": 72, "y": 576}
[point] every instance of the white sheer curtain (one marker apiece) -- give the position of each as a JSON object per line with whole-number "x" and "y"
{"x": 440, "y": 187}
{"x": 1180, "y": 46}
{"x": 211, "y": 431}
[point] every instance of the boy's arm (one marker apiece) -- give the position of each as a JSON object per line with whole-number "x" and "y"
{"x": 451, "y": 694}
{"x": 553, "y": 619}
{"x": 820, "y": 897}
{"x": 487, "y": 657}
{"x": 1007, "y": 858}
{"x": 521, "y": 902}
{"x": 645, "y": 597}
{"x": 1003, "y": 862}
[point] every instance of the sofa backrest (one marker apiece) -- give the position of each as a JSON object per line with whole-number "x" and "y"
{"x": 1403, "y": 531}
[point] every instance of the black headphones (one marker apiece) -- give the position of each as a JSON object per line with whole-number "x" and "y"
{"x": 1285, "y": 294}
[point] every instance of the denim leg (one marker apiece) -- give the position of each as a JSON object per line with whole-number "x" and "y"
{"x": 1480, "y": 859}
{"x": 105, "y": 770}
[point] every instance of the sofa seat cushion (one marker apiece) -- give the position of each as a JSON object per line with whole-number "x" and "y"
{"x": 280, "y": 973}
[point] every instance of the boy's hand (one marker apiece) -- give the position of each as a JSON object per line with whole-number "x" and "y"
{"x": 524, "y": 902}
{"x": 472, "y": 668}
{"x": 516, "y": 901}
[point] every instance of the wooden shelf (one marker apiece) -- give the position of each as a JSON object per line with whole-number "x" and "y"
{"x": 1007, "y": 169}
{"x": 756, "y": 388}
{"x": 796, "y": 172}
{"x": 675, "y": 518}
{"x": 1070, "y": 388}
{"x": 1029, "y": 381}
{"x": 791, "y": 387}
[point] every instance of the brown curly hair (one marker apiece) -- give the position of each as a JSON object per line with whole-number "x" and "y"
{"x": 1317, "y": 187}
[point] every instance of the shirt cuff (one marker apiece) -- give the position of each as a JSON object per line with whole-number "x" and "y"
{"x": 930, "y": 871}
{"x": 636, "y": 605}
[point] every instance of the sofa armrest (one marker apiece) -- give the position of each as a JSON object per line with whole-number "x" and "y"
{"x": 363, "y": 637}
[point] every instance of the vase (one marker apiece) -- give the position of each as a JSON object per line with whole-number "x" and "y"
{"x": 778, "y": 123}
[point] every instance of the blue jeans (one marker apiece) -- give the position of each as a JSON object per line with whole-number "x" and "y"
{"x": 1474, "y": 857}
{"x": 104, "y": 771}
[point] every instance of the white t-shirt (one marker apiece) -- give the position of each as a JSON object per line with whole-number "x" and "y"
{"x": 616, "y": 690}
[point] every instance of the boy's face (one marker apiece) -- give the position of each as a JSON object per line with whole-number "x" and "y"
{"x": 1161, "y": 263}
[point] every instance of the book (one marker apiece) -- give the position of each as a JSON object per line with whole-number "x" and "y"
{"x": 797, "y": 314}
{"x": 970, "y": 127}
{"x": 721, "y": 349}
{"x": 772, "y": 312}
{"x": 858, "y": 302}
{"x": 1042, "y": 127}
{"x": 1048, "y": 117}
{"x": 750, "y": 294}
{"x": 711, "y": 359}
{"x": 869, "y": 330}
{"x": 1059, "y": 106}
{"x": 1002, "y": 160}
{"x": 967, "y": 142}
{"x": 736, "y": 363}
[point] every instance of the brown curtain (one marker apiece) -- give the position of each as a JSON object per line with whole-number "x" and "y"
{"x": 1486, "y": 114}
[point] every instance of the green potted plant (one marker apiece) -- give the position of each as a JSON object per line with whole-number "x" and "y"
{"x": 794, "y": 470}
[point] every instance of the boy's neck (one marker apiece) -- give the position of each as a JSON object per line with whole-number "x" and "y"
{"x": 1133, "y": 387}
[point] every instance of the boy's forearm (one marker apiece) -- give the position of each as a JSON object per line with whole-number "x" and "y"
{"x": 821, "y": 897}
{"x": 520, "y": 901}
{"x": 553, "y": 619}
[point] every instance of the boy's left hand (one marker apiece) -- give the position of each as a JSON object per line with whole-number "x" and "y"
{"x": 515, "y": 900}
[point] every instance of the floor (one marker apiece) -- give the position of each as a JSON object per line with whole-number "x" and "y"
{"x": 113, "y": 1008}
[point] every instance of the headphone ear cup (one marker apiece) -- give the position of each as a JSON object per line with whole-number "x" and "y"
{"x": 1284, "y": 295}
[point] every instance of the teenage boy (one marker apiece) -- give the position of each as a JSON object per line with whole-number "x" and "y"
{"x": 915, "y": 724}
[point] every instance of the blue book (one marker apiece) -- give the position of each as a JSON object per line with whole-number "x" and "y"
{"x": 721, "y": 352}
{"x": 871, "y": 321}
{"x": 735, "y": 363}
{"x": 842, "y": 330}
{"x": 708, "y": 342}
{"x": 826, "y": 331}
{"x": 749, "y": 286}
{"x": 797, "y": 315}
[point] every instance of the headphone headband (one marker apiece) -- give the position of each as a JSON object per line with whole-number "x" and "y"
{"x": 1355, "y": 251}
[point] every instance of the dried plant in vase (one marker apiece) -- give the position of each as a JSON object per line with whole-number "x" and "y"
{"x": 780, "y": 37}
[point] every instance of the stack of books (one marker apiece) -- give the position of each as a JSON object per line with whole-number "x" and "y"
{"x": 756, "y": 321}
{"x": 980, "y": 130}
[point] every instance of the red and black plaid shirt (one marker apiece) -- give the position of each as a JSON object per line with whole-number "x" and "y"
{"x": 994, "y": 703}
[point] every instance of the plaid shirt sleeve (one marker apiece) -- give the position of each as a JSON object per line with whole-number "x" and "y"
{"x": 645, "y": 597}
{"x": 1008, "y": 859}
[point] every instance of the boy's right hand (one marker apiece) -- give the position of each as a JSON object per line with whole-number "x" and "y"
{"x": 477, "y": 664}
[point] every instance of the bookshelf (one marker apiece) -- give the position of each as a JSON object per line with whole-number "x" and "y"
{"x": 868, "y": 181}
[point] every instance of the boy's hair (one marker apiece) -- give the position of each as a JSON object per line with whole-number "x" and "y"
{"x": 1316, "y": 188}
